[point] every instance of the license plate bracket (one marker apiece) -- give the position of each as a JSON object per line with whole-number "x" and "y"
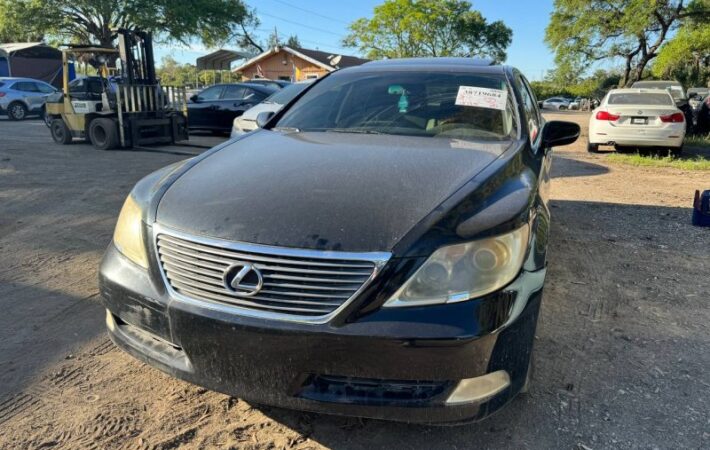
{"x": 639, "y": 120}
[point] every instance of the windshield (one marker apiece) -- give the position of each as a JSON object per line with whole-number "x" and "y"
{"x": 454, "y": 105}
{"x": 640, "y": 99}
{"x": 286, "y": 94}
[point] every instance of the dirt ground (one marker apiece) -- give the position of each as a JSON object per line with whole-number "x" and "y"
{"x": 622, "y": 351}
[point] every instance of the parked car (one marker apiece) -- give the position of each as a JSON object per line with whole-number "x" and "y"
{"x": 278, "y": 84}
{"x": 637, "y": 118}
{"x": 558, "y": 103}
{"x": 216, "y": 107}
{"x": 378, "y": 249}
{"x": 22, "y": 97}
{"x": 247, "y": 121}
{"x": 677, "y": 92}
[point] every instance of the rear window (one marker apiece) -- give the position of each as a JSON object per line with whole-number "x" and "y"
{"x": 431, "y": 104}
{"x": 640, "y": 99}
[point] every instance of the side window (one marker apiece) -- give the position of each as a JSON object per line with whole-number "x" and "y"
{"x": 252, "y": 95}
{"x": 234, "y": 93}
{"x": 532, "y": 117}
{"x": 25, "y": 86}
{"x": 44, "y": 88}
{"x": 211, "y": 93}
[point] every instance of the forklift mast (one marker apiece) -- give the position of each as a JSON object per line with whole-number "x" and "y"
{"x": 136, "y": 53}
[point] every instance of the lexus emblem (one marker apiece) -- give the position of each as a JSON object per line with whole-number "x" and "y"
{"x": 243, "y": 278}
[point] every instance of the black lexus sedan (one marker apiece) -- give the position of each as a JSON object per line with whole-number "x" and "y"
{"x": 216, "y": 107}
{"x": 377, "y": 249}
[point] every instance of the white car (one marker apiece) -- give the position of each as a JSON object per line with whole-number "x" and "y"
{"x": 273, "y": 103}
{"x": 558, "y": 103}
{"x": 637, "y": 118}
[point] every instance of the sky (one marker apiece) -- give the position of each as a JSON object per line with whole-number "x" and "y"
{"x": 321, "y": 24}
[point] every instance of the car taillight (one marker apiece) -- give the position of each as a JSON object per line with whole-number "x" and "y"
{"x": 604, "y": 115}
{"x": 673, "y": 118}
{"x": 2, "y": 94}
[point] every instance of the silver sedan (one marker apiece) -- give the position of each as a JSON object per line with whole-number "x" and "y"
{"x": 21, "y": 97}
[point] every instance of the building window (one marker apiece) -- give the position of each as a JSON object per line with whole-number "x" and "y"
{"x": 311, "y": 76}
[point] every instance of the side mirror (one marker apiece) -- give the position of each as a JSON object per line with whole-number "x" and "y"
{"x": 557, "y": 133}
{"x": 263, "y": 118}
{"x": 195, "y": 98}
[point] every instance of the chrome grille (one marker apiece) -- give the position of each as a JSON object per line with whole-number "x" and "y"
{"x": 296, "y": 283}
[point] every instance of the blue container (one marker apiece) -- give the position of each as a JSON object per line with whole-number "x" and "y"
{"x": 701, "y": 209}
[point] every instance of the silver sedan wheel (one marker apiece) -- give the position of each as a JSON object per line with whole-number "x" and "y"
{"x": 17, "y": 111}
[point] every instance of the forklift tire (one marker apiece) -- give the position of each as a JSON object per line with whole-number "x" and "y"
{"x": 103, "y": 134}
{"x": 60, "y": 132}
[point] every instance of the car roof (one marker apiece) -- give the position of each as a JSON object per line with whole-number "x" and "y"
{"x": 9, "y": 79}
{"x": 477, "y": 65}
{"x": 657, "y": 83}
{"x": 639, "y": 91}
{"x": 256, "y": 87}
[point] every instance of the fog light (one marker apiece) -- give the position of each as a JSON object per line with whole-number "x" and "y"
{"x": 479, "y": 389}
{"x": 110, "y": 323}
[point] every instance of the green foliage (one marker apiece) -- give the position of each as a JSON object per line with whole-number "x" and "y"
{"x": 694, "y": 163}
{"x": 563, "y": 84}
{"x": 91, "y": 21}
{"x": 293, "y": 42}
{"x": 583, "y": 31}
{"x": 547, "y": 89}
{"x": 686, "y": 57}
{"x": 411, "y": 28}
{"x": 275, "y": 40}
{"x": 172, "y": 73}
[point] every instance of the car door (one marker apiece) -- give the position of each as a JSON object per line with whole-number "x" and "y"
{"x": 30, "y": 94}
{"x": 202, "y": 112}
{"x": 231, "y": 105}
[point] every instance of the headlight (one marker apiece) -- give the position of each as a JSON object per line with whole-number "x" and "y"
{"x": 464, "y": 271}
{"x": 128, "y": 236}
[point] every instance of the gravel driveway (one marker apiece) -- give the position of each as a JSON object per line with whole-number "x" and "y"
{"x": 622, "y": 351}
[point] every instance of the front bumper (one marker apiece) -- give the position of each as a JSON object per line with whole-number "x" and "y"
{"x": 394, "y": 363}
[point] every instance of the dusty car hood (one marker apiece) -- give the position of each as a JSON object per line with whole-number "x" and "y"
{"x": 334, "y": 191}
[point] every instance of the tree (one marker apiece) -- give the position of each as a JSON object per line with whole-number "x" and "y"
{"x": 583, "y": 31}
{"x": 410, "y": 28}
{"x": 686, "y": 57}
{"x": 92, "y": 21}
{"x": 293, "y": 42}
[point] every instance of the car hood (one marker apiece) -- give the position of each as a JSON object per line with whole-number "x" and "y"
{"x": 330, "y": 191}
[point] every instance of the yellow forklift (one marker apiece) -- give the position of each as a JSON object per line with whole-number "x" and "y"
{"x": 120, "y": 107}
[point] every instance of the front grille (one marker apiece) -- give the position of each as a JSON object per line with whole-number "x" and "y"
{"x": 370, "y": 391}
{"x": 309, "y": 286}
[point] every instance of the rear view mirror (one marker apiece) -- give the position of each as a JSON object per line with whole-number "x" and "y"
{"x": 195, "y": 98}
{"x": 557, "y": 133}
{"x": 263, "y": 118}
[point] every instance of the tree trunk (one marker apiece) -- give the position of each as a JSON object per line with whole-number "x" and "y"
{"x": 627, "y": 71}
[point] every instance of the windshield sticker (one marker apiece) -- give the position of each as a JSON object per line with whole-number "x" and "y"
{"x": 482, "y": 97}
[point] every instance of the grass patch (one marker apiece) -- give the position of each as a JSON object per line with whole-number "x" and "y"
{"x": 691, "y": 163}
{"x": 698, "y": 141}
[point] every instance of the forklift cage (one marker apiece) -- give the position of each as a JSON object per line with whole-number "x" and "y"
{"x": 148, "y": 98}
